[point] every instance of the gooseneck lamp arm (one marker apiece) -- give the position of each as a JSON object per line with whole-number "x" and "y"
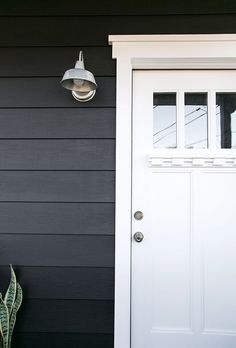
{"x": 80, "y": 81}
{"x": 80, "y": 63}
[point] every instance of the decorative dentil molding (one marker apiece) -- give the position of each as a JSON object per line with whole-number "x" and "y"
{"x": 157, "y": 161}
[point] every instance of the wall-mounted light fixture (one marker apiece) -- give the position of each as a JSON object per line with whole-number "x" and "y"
{"x": 80, "y": 81}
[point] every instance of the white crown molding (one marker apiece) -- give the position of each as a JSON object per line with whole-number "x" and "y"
{"x": 175, "y": 51}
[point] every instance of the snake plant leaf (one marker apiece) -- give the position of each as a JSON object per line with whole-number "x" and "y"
{"x": 0, "y": 321}
{"x": 4, "y": 320}
{"x": 16, "y": 306}
{"x": 11, "y": 292}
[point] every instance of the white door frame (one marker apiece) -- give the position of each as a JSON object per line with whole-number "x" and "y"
{"x": 148, "y": 52}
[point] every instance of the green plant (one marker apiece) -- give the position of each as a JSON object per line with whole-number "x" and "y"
{"x": 8, "y": 309}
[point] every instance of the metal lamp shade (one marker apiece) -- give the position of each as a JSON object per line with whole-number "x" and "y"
{"x": 80, "y": 81}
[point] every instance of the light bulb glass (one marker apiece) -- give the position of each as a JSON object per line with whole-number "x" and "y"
{"x": 78, "y": 82}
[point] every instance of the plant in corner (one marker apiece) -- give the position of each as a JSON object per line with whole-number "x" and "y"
{"x": 8, "y": 309}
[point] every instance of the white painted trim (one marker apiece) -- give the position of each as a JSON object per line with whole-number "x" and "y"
{"x": 171, "y": 38}
{"x": 184, "y": 63}
{"x": 189, "y": 160}
{"x": 123, "y": 211}
{"x": 148, "y": 52}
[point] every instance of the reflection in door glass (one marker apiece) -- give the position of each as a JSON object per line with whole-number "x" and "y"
{"x": 226, "y": 120}
{"x": 164, "y": 120}
{"x": 196, "y": 121}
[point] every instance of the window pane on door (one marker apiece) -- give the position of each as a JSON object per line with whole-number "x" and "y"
{"x": 164, "y": 120}
{"x": 196, "y": 120}
{"x": 226, "y": 120}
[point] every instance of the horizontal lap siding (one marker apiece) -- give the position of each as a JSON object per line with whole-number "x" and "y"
{"x": 66, "y": 316}
{"x": 53, "y": 123}
{"x": 66, "y": 283}
{"x": 62, "y": 340}
{"x": 37, "y": 31}
{"x": 121, "y": 7}
{"x": 48, "y": 93}
{"x": 57, "y": 186}
{"x": 57, "y": 158}
{"x": 57, "y": 218}
{"x": 78, "y": 154}
{"x": 57, "y": 250}
{"x": 57, "y": 162}
{"x": 52, "y": 61}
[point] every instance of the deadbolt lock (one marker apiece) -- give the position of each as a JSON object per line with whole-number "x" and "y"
{"x": 138, "y": 215}
{"x": 138, "y": 237}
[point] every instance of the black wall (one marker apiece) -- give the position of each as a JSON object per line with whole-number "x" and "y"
{"x": 57, "y": 157}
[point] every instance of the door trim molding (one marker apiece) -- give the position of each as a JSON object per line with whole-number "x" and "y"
{"x": 148, "y": 52}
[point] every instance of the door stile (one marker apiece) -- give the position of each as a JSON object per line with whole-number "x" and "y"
{"x": 196, "y": 248}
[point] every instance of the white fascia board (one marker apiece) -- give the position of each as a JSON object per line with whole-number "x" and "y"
{"x": 171, "y": 38}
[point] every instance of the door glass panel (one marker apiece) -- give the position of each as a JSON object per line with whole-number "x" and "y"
{"x": 196, "y": 120}
{"x": 164, "y": 120}
{"x": 226, "y": 120}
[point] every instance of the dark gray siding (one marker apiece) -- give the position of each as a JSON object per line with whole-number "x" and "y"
{"x": 57, "y": 157}
{"x": 121, "y": 7}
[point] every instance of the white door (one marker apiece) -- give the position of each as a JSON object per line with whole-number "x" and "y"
{"x": 184, "y": 183}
